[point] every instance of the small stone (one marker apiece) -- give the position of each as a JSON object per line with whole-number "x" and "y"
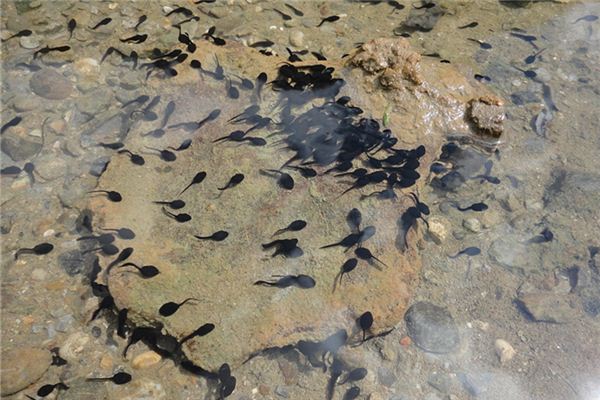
{"x": 547, "y": 307}
{"x": 440, "y": 381}
{"x": 64, "y": 323}
{"x": 49, "y": 84}
{"x": 81, "y": 389}
{"x": 432, "y": 328}
{"x": 39, "y": 274}
{"x": 35, "y": 133}
{"x": 281, "y": 391}
{"x": 21, "y": 367}
{"x": 24, "y": 103}
{"x": 290, "y": 23}
{"x": 296, "y": 38}
{"x": 472, "y": 225}
{"x": 289, "y": 371}
{"x": 73, "y": 346}
{"x": 386, "y": 376}
{"x": 145, "y": 360}
{"x": 437, "y": 229}
{"x": 511, "y": 203}
{"x": 29, "y": 42}
{"x": 96, "y": 331}
{"x": 263, "y": 389}
{"x": 504, "y": 350}
{"x": 20, "y": 147}
{"x": 513, "y": 255}
{"x": 99, "y": 165}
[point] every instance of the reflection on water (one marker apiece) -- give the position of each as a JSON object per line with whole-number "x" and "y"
{"x": 207, "y": 221}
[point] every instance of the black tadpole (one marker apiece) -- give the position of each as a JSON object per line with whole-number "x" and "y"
{"x": 365, "y": 254}
{"x": 295, "y": 226}
{"x": 120, "y": 378}
{"x": 171, "y": 307}
{"x": 198, "y": 178}
{"x": 174, "y": 205}
{"x": 218, "y": 236}
{"x": 469, "y": 251}
{"x": 183, "y": 217}
{"x": 201, "y": 331}
{"x": 234, "y": 181}
{"x": 285, "y": 180}
{"x": 346, "y": 268}
{"x": 365, "y": 321}
{"x": 134, "y": 158}
{"x": 110, "y": 194}
{"x": 38, "y": 250}
{"x": 301, "y": 281}
{"x": 47, "y": 389}
{"x": 354, "y": 218}
{"x": 355, "y": 375}
{"x": 123, "y": 233}
{"x": 165, "y": 155}
{"x": 351, "y": 393}
{"x": 147, "y": 271}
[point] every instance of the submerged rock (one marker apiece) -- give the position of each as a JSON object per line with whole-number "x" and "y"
{"x": 21, "y": 367}
{"x": 220, "y": 274}
{"x": 432, "y": 328}
{"x": 49, "y": 84}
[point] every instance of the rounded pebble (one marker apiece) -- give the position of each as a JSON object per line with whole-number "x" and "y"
{"x": 504, "y": 350}
{"x": 296, "y": 38}
{"x": 145, "y": 360}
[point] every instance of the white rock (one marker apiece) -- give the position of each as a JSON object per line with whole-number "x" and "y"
{"x": 437, "y": 229}
{"x": 296, "y": 38}
{"x": 504, "y": 350}
{"x": 74, "y": 346}
{"x": 472, "y": 225}
{"x": 145, "y": 360}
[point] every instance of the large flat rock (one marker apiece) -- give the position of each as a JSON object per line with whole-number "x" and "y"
{"x": 250, "y": 318}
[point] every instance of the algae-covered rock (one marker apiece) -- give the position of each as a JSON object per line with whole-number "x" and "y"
{"x": 220, "y": 275}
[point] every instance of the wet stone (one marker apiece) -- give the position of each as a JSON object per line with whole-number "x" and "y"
{"x": 440, "y": 381}
{"x": 386, "y": 376}
{"x": 74, "y": 262}
{"x": 516, "y": 257}
{"x": 281, "y": 391}
{"x": 20, "y": 147}
{"x": 432, "y": 328}
{"x": 82, "y": 389}
{"x": 548, "y": 307}
{"x": 95, "y": 102}
{"x": 99, "y": 165}
{"x": 49, "y": 84}
{"x": 21, "y": 367}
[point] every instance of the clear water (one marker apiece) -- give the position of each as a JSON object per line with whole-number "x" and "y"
{"x": 536, "y": 292}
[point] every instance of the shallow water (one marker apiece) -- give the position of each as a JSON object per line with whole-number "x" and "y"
{"x": 538, "y": 293}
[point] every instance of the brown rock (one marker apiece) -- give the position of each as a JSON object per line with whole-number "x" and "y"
{"x": 21, "y": 367}
{"x": 487, "y": 113}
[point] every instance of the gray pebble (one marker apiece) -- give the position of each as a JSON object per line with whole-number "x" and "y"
{"x": 386, "y": 376}
{"x": 23, "y": 103}
{"x": 49, "y": 84}
{"x": 64, "y": 323}
{"x": 296, "y": 38}
{"x": 281, "y": 391}
{"x": 96, "y": 331}
{"x": 20, "y": 148}
{"x": 99, "y": 165}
